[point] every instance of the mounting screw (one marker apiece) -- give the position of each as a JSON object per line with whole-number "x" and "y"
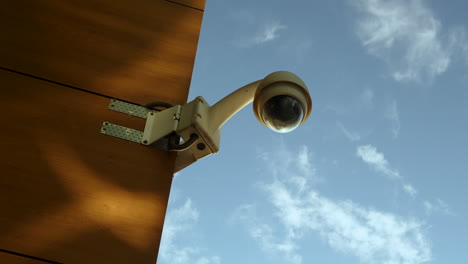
{"x": 145, "y": 141}
{"x": 201, "y": 146}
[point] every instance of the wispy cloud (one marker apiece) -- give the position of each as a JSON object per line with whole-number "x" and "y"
{"x": 438, "y": 206}
{"x": 351, "y": 136}
{"x": 409, "y": 189}
{"x": 266, "y": 236}
{"x": 377, "y": 161}
{"x": 370, "y": 235}
{"x": 178, "y": 222}
{"x": 266, "y": 32}
{"x": 393, "y": 115}
{"x": 299, "y": 165}
{"x": 407, "y": 35}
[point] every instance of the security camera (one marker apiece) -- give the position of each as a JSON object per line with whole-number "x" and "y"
{"x": 281, "y": 102}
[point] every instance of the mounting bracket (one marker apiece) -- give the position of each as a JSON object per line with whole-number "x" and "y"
{"x": 153, "y": 134}
{"x": 190, "y": 122}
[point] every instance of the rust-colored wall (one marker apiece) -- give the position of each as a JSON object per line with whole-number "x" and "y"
{"x": 69, "y": 194}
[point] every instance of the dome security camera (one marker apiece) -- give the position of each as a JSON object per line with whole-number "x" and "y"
{"x": 281, "y": 102}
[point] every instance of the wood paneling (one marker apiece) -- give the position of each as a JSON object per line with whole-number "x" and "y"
{"x": 7, "y": 258}
{"x": 198, "y": 4}
{"x": 69, "y": 193}
{"x": 139, "y": 51}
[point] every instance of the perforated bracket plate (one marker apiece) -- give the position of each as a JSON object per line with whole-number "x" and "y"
{"x": 130, "y": 109}
{"x": 159, "y": 124}
{"x": 121, "y": 132}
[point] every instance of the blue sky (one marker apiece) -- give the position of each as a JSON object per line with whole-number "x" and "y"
{"x": 378, "y": 174}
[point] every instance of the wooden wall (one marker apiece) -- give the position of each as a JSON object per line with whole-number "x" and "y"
{"x": 69, "y": 194}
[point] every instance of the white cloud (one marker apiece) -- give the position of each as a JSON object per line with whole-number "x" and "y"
{"x": 393, "y": 115}
{"x": 299, "y": 165}
{"x": 351, "y": 136}
{"x": 429, "y": 207}
{"x": 438, "y": 206}
{"x": 409, "y": 189}
{"x": 406, "y": 34}
{"x": 303, "y": 161}
{"x": 377, "y": 161}
{"x": 179, "y": 221}
{"x": 370, "y": 235}
{"x": 267, "y": 237}
{"x": 266, "y": 32}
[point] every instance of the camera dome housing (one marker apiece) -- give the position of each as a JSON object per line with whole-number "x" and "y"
{"x": 282, "y": 102}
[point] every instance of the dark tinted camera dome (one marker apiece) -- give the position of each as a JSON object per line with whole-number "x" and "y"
{"x": 282, "y": 113}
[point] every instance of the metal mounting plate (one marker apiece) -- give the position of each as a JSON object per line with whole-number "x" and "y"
{"x": 121, "y": 132}
{"x": 128, "y": 108}
{"x": 160, "y": 140}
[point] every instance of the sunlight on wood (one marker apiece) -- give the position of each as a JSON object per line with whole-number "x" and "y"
{"x": 133, "y": 217}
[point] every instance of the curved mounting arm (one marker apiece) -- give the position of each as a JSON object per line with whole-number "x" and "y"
{"x": 197, "y": 123}
{"x": 224, "y": 109}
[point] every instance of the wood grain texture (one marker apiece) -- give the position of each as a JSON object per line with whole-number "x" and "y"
{"x": 6, "y": 258}
{"x": 198, "y": 4}
{"x": 69, "y": 193}
{"x": 139, "y": 51}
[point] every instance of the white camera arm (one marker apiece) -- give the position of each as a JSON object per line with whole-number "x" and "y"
{"x": 199, "y": 124}
{"x": 227, "y": 107}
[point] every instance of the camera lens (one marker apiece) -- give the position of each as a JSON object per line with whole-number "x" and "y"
{"x": 282, "y": 113}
